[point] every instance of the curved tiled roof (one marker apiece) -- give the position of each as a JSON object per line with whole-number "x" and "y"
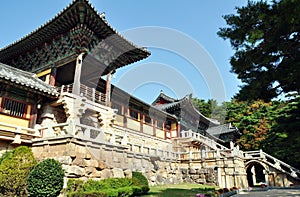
{"x": 26, "y": 79}
{"x": 184, "y": 102}
{"x": 79, "y": 12}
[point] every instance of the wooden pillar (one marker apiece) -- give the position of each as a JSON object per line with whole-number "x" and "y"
{"x": 76, "y": 84}
{"x": 52, "y": 75}
{"x": 108, "y": 88}
{"x": 154, "y": 127}
{"x": 178, "y": 129}
{"x": 125, "y": 114}
{"x": 142, "y": 120}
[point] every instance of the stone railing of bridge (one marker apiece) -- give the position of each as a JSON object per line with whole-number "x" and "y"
{"x": 274, "y": 162}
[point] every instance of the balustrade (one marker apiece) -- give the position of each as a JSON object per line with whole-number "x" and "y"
{"x": 90, "y": 93}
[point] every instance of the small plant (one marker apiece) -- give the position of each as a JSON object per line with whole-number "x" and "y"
{"x": 46, "y": 179}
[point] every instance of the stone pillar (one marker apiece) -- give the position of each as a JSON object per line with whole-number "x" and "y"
{"x": 47, "y": 121}
{"x": 253, "y": 175}
{"x": 108, "y": 88}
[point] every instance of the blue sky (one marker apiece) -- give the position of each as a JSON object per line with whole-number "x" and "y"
{"x": 175, "y": 73}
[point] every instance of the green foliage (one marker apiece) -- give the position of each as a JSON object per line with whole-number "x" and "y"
{"x": 107, "y": 187}
{"x": 14, "y": 170}
{"x": 269, "y": 126}
{"x": 87, "y": 194}
{"x": 265, "y": 35}
{"x": 286, "y": 133}
{"x": 75, "y": 185}
{"x": 46, "y": 179}
{"x": 4, "y": 155}
{"x": 254, "y": 119}
{"x": 139, "y": 179}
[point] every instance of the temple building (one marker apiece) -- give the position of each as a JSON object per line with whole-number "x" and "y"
{"x": 56, "y": 97}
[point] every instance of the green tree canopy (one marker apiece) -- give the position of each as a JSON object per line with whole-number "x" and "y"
{"x": 266, "y": 39}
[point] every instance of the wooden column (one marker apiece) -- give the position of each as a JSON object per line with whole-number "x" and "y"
{"x": 76, "y": 84}
{"x": 52, "y": 75}
{"x": 178, "y": 129}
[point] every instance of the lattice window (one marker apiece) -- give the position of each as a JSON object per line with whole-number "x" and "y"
{"x": 13, "y": 107}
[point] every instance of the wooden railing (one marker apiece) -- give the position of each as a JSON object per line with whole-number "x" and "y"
{"x": 90, "y": 93}
{"x": 274, "y": 162}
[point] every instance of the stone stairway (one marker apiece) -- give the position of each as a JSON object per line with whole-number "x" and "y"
{"x": 273, "y": 162}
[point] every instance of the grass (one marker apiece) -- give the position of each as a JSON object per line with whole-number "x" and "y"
{"x": 179, "y": 190}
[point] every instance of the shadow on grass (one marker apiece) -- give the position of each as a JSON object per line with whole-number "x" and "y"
{"x": 175, "y": 192}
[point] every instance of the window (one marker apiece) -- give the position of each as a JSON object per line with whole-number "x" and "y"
{"x": 160, "y": 124}
{"x": 13, "y": 108}
{"x": 147, "y": 119}
{"x": 133, "y": 114}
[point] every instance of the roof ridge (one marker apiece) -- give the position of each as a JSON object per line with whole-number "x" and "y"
{"x": 25, "y": 78}
{"x": 19, "y": 70}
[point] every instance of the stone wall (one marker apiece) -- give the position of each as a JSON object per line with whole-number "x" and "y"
{"x": 86, "y": 160}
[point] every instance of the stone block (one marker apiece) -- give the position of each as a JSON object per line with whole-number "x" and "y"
{"x": 89, "y": 170}
{"x": 64, "y": 160}
{"x": 184, "y": 171}
{"x": 153, "y": 178}
{"x": 159, "y": 179}
{"x": 128, "y": 173}
{"x": 75, "y": 171}
{"x": 194, "y": 177}
{"x": 91, "y": 163}
{"x": 79, "y": 161}
{"x": 118, "y": 173}
{"x": 101, "y": 165}
{"x": 200, "y": 181}
{"x": 203, "y": 171}
{"x": 95, "y": 174}
{"x": 106, "y": 173}
{"x": 193, "y": 171}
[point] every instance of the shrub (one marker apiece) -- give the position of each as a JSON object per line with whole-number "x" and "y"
{"x": 46, "y": 179}
{"x": 75, "y": 185}
{"x": 138, "y": 179}
{"x": 111, "y": 187}
{"x": 87, "y": 194}
{"x": 125, "y": 191}
{"x": 14, "y": 170}
{"x": 4, "y": 155}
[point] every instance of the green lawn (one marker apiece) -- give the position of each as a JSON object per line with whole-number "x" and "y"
{"x": 180, "y": 190}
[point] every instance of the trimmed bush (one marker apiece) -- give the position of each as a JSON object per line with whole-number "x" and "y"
{"x": 87, "y": 194}
{"x": 138, "y": 179}
{"x": 14, "y": 169}
{"x": 111, "y": 187}
{"x": 46, "y": 179}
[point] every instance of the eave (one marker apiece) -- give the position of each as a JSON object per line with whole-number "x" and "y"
{"x": 76, "y": 14}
